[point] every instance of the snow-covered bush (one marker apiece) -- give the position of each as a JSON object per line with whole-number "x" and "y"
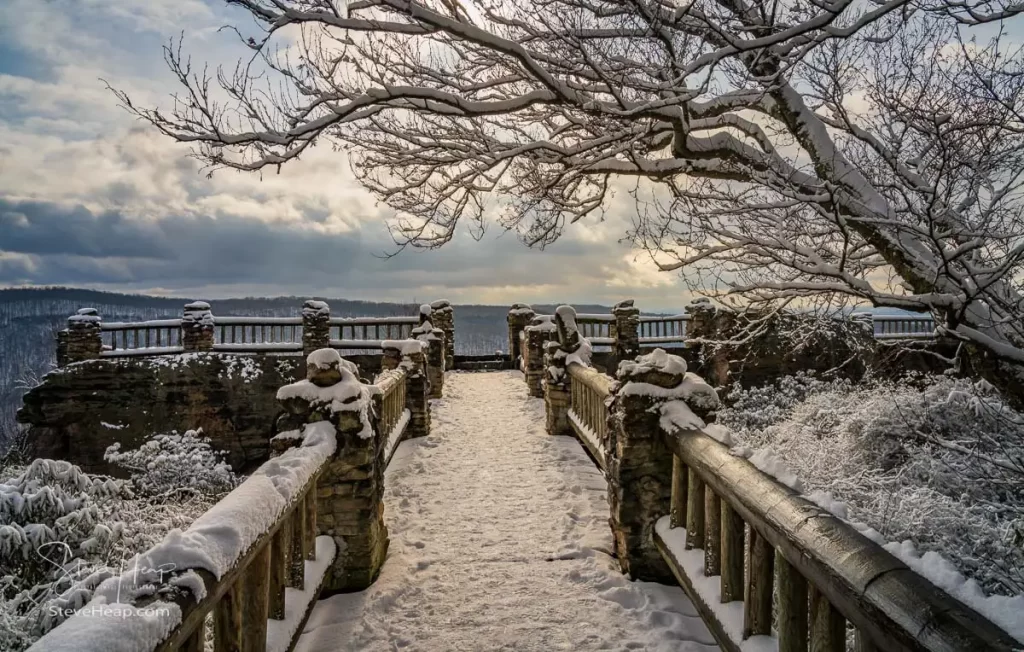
{"x": 172, "y": 462}
{"x": 939, "y": 461}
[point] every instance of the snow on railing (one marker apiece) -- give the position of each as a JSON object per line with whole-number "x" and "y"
{"x": 723, "y": 508}
{"x": 235, "y": 562}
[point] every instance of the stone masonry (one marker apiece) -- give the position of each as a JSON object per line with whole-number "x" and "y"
{"x": 197, "y": 327}
{"x": 442, "y": 315}
{"x": 519, "y": 316}
{"x": 350, "y": 491}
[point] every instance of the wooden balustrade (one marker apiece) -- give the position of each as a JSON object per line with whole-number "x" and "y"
{"x": 253, "y": 591}
{"x": 119, "y": 337}
{"x": 596, "y": 327}
{"x": 589, "y": 390}
{"x": 372, "y": 328}
{"x": 394, "y": 416}
{"x": 902, "y": 326}
{"x": 808, "y": 568}
{"x": 662, "y": 330}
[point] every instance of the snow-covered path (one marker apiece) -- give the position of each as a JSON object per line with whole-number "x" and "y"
{"x": 500, "y": 541}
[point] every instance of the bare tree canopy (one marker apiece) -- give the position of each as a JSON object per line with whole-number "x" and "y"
{"x": 864, "y": 150}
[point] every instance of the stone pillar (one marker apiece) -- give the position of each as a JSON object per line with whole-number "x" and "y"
{"x": 62, "y": 347}
{"x": 705, "y": 325}
{"x": 83, "y": 339}
{"x": 556, "y": 391}
{"x": 417, "y": 386}
{"x": 540, "y": 330}
{"x": 417, "y": 395}
{"x": 700, "y": 324}
{"x": 639, "y": 463}
{"x": 518, "y": 317}
{"x": 443, "y": 316}
{"x": 316, "y": 326}
{"x": 434, "y": 339}
{"x": 350, "y": 490}
{"x": 197, "y": 327}
{"x": 626, "y": 330}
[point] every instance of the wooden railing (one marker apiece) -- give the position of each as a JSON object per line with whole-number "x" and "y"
{"x": 251, "y": 335}
{"x": 247, "y": 600}
{"x": 588, "y": 410}
{"x": 662, "y": 330}
{"x": 596, "y": 327}
{"x": 160, "y": 333}
{"x": 810, "y": 569}
{"x": 394, "y": 416}
{"x": 898, "y": 327}
{"x": 372, "y": 328}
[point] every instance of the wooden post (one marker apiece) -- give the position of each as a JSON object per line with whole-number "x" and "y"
{"x": 279, "y": 568}
{"x": 828, "y": 627}
{"x": 298, "y": 556}
{"x": 227, "y": 621}
{"x": 757, "y": 613}
{"x": 712, "y": 533}
{"x": 196, "y": 641}
{"x": 680, "y": 479}
{"x": 254, "y": 609}
{"x": 732, "y": 554}
{"x": 792, "y": 607}
{"x": 309, "y": 504}
{"x": 694, "y": 511}
{"x": 861, "y": 643}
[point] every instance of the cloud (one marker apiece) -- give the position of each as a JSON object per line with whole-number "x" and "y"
{"x": 89, "y": 197}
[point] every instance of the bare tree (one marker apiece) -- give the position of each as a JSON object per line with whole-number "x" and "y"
{"x": 788, "y": 150}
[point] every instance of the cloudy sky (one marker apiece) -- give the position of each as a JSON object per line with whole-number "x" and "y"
{"x": 90, "y": 197}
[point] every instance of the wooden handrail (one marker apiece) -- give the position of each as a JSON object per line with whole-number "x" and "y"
{"x": 394, "y": 416}
{"x": 588, "y": 412}
{"x": 799, "y": 552}
{"x": 248, "y": 594}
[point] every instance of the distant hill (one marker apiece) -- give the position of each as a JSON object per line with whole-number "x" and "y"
{"x": 31, "y": 317}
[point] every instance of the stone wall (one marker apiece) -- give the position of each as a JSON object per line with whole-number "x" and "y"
{"x": 79, "y": 410}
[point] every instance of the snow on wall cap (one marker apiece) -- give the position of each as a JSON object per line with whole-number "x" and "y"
{"x": 197, "y": 306}
{"x": 323, "y": 359}
{"x": 405, "y": 347}
{"x": 85, "y": 316}
{"x": 441, "y": 304}
{"x": 543, "y": 323}
{"x": 626, "y": 305}
{"x": 425, "y": 310}
{"x": 314, "y": 307}
{"x": 658, "y": 362}
{"x": 521, "y": 309}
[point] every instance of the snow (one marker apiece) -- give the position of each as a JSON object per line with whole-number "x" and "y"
{"x": 136, "y": 628}
{"x": 316, "y": 308}
{"x": 405, "y": 347}
{"x": 656, "y": 360}
{"x": 677, "y": 415}
{"x": 396, "y": 433}
{"x": 729, "y": 614}
{"x": 296, "y": 602}
{"x": 580, "y": 356}
{"x": 369, "y": 321}
{"x": 113, "y": 426}
{"x": 499, "y": 540}
{"x": 521, "y": 309}
{"x": 587, "y": 433}
{"x": 542, "y": 323}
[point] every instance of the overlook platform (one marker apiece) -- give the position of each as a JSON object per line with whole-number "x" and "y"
{"x": 500, "y": 541}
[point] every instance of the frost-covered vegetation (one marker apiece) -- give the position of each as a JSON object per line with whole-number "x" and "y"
{"x": 933, "y": 459}
{"x": 65, "y": 531}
